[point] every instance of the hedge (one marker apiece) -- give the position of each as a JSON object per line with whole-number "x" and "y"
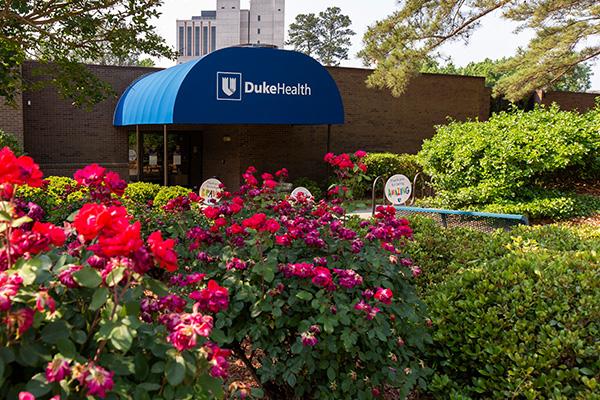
{"x": 515, "y": 314}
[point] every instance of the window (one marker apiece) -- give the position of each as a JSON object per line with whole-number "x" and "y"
{"x": 213, "y": 38}
{"x": 189, "y": 41}
{"x": 196, "y": 41}
{"x": 205, "y": 40}
{"x": 259, "y": 31}
{"x": 181, "y": 42}
{"x": 259, "y": 18}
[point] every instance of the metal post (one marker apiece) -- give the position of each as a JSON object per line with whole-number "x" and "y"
{"x": 165, "y": 157}
{"x": 140, "y": 152}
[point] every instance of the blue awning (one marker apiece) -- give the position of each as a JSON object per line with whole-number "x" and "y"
{"x": 236, "y": 85}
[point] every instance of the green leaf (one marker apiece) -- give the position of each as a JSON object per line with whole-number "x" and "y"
{"x": 121, "y": 337}
{"x": 66, "y": 348}
{"x": 157, "y": 287}
{"x": 158, "y": 367}
{"x": 88, "y": 277}
{"x": 99, "y": 298}
{"x": 331, "y": 374}
{"x": 29, "y": 270}
{"x": 114, "y": 277}
{"x": 38, "y": 386}
{"x": 55, "y": 332}
{"x": 304, "y": 295}
{"x": 175, "y": 370}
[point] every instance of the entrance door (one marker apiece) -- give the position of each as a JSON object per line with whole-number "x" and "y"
{"x": 184, "y": 158}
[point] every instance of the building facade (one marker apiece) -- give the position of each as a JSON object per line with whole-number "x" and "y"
{"x": 229, "y": 25}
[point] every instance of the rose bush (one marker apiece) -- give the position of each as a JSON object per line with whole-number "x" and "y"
{"x": 81, "y": 315}
{"x": 317, "y": 309}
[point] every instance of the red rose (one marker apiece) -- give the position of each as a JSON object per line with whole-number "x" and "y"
{"x": 122, "y": 244}
{"x": 163, "y": 251}
{"x": 90, "y": 175}
{"x": 384, "y": 295}
{"x": 55, "y": 234}
{"x": 211, "y": 212}
{"x": 90, "y": 220}
{"x": 255, "y": 222}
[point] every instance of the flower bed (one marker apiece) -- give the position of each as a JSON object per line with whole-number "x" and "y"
{"x": 111, "y": 305}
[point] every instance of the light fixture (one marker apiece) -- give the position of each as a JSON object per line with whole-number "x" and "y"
{"x": 227, "y": 138}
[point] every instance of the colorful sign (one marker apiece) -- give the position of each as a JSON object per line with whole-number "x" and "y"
{"x": 398, "y": 189}
{"x": 303, "y": 190}
{"x": 210, "y": 190}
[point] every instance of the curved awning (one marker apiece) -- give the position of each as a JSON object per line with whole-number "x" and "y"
{"x": 236, "y": 85}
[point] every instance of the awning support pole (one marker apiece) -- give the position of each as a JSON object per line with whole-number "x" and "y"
{"x": 139, "y": 150}
{"x": 165, "y": 157}
{"x": 328, "y": 138}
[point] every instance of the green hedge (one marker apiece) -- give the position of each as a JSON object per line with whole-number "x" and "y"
{"x": 486, "y": 162}
{"x": 311, "y": 185}
{"x": 9, "y": 140}
{"x": 515, "y": 314}
{"x": 167, "y": 193}
{"x": 386, "y": 165}
{"x": 140, "y": 193}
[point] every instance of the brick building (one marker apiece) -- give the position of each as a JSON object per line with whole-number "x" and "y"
{"x": 62, "y": 138}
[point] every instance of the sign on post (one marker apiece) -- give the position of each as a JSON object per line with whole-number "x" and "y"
{"x": 303, "y": 190}
{"x": 210, "y": 190}
{"x": 398, "y": 189}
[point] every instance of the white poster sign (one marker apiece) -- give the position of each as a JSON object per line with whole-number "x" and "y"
{"x": 153, "y": 160}
{"x": 303, "y": 190}
{"x": 398, "y": 189}
{"x": 210, "y": 189}
{"x": 176, "y": 159}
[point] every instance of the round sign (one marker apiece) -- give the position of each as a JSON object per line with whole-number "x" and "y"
{"x": 210, "y": 190}
{"x": 132, "y": 155}
{"x": 398, "y": 189}
{"x": 303, "y": 190}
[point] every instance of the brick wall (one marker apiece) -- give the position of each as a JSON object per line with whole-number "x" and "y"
{"x": 570, "y": 101}
{"x": 11, "y": 118}
{"x": 375, "y": 121}
{"x": 63, "y": 138}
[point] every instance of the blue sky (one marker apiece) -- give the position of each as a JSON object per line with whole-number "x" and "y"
{"x": 494, "y": 38}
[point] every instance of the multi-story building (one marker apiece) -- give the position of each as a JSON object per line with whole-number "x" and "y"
{"x": 229, "y": 25}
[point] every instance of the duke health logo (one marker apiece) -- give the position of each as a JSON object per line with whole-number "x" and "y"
{"x": 229, "y": 86}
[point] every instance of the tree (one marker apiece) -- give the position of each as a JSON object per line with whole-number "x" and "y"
{"x": 59, "y": 34}
{"x": 326, "y": 36}
{"x": 303, "y": 34}
{"x": 131, "y": 60}
{"x": 578, "y": 80}
{"x": 566, "y": 35}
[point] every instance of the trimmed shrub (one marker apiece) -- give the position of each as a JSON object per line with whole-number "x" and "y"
{"x": 140, "y": 193}
{"x": 167, "y": 193}
{"x": 515, "y": 314}
{"x": 485, "y": 162}
{"x": 388, "y": 164}
{"x": 311, "y": 185}
{"x": 10, "y": 141}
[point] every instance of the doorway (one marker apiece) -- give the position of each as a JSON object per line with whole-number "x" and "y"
{"x": 184, "y": 158}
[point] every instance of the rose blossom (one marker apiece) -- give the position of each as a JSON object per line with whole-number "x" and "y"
{"x": 163, "y": 251}
{"x": 57, "y": 369}
{"x": 214, "y": 298}
{"x": 384, "y": 295}
{"x": 97, "y": 380}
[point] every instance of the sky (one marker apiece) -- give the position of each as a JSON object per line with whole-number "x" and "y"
{"x": 493, "y": 39}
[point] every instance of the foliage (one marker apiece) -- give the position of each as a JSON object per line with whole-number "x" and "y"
{"x": 511, "y": 156}
{"x": 75, "y": 308}
{"x": 326, "y": 36}
{"x": 141, "y": 193}
{"x": 388, "y": 164}
{"x": 59, "y": 197}
{"x": 313, "y": 187}
{"x": 167, "y": 193}
{"x": 9, "y": 140}
{"x": 515, "y": 314}
{"x": 401, "y": 44}
{"x": 58, "y": 35}
{"x": 349, "y": 174}
{"x": 308, "y": 294}
{"x": 577, "y": 80}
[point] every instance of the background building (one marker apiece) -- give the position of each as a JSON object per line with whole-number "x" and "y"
{"x": 229, "y": 25}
